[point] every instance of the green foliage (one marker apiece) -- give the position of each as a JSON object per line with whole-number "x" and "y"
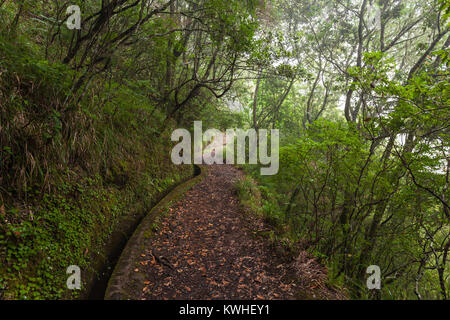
{"x": 373, "y": 188}
{"x": 326, "y": 197}
{"x": 57, "y": 234}
{"x": 70, "y": 176}
{"x": 85, "y": 116}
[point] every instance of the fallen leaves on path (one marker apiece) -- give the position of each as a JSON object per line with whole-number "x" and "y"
{"x": 204, "y": 251}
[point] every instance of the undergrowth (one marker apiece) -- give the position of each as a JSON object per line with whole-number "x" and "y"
{"x": 69, "y": 174}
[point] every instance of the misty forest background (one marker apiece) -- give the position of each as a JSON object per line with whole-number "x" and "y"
{"x": 358, "y": 88}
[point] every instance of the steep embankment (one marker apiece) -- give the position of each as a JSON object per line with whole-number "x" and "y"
{"x": 75, "y": 178}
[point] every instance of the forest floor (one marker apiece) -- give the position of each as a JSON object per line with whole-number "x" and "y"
{"x": 206, "y": 248}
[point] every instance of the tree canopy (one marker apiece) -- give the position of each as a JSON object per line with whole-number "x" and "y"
{"x": 359, "y": 90}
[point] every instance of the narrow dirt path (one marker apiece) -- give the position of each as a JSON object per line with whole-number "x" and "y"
{"x": 204, "y": 251}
